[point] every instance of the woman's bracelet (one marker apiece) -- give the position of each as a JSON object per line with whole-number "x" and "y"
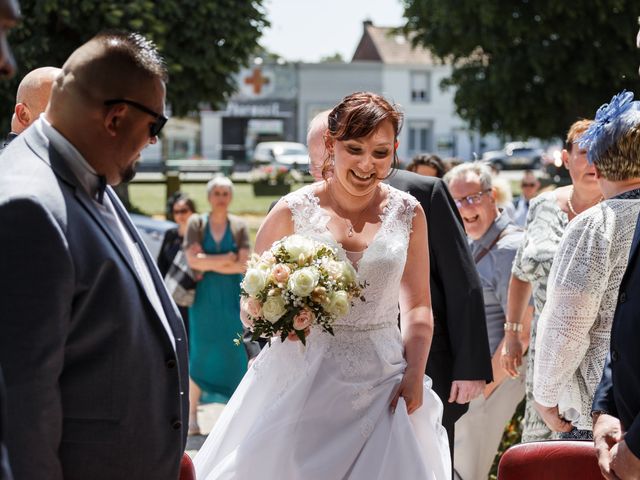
{"x": 512, "y": 326}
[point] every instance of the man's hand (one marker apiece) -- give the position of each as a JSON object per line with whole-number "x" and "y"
{"x": 463, "y": 391}
{"x": 607, "y": 432}
{"x": 624, "y": 463}
{"x": 553, "y": 419}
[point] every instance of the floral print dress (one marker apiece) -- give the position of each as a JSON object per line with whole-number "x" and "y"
{"x": 546, "y": 224}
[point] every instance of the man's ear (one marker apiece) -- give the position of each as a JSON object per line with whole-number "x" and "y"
{"x": 23, "y": 114}
{"x": 113, "y": 119}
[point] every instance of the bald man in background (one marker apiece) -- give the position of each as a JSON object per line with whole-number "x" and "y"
{"x": 92, "y": 346}
{"x": 31, "y": 99}
{"x": 315, "y": 143}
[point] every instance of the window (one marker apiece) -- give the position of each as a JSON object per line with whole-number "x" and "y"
{"x": 420, "y": 137}
{"x": 420, "y": 91}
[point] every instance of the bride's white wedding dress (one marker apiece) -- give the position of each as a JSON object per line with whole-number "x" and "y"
{"x": 321, "y": 412}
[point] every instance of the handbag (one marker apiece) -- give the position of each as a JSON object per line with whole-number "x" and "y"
{"x": 181, "y": 281}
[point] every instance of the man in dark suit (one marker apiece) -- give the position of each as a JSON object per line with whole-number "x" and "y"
{"x": 92, "y": 347}
{"x": 459, "y": 362}
{"x": 616, "y": 404}
{"x": 9, "y": 15}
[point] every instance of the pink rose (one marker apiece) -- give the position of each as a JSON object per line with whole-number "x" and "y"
{"x": 249, "y": 307}
{"x": 281, "y": 273}
{"x": 303, "y": 319}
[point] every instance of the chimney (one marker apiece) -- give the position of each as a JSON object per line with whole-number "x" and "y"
{"x": 367, "y": 23}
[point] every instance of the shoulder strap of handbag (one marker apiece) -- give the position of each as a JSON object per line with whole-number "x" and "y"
{"x": 480, "y": 255}
{"x": 235, "y": 230}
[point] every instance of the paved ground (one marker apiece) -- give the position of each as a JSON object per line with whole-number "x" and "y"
{"x": 207, "y": 416}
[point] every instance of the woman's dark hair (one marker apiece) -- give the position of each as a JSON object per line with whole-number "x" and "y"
{"x": 429, "y": 160}
{"x": 180, "y": 197}
{"x": 358, "y": 115}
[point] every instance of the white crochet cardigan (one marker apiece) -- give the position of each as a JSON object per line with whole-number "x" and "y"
{"x": 574, "y": 328}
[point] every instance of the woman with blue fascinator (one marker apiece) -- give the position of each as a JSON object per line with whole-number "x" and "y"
{"x": 574, "y": 327}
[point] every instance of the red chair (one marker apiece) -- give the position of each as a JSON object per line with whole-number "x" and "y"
{"x": 551, "y": 460}
{"x": 187, "y": 470}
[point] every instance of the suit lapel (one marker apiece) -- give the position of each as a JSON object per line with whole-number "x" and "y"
{"x": 45, "y": 151}
{"x": 173, "y": 316}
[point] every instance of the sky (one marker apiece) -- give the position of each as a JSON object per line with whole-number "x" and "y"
{"x": 308, "y": 30}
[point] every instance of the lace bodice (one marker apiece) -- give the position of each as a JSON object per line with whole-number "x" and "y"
{"x": 381, "y": 264}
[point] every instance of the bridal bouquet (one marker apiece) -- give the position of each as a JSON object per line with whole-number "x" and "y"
{"x": 297, "y": 283}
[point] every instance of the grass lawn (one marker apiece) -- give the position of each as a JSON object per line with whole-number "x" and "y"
{"x": 151, "y": 198}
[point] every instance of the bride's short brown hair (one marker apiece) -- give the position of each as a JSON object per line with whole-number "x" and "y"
{"x": 358, "y": 115}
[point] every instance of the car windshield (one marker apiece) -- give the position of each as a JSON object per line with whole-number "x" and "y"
{"x": 290, "y": 151}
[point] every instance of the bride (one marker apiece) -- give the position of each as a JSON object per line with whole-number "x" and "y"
{"x": 356, "y": 405}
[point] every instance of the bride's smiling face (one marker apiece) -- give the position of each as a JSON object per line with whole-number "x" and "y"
{"x": 360, "y": 163}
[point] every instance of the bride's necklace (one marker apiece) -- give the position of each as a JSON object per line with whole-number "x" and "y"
{"x": 347, "y": 222}
{"x": 570, "y": 205}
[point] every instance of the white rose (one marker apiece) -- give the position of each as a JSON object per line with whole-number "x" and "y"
{"x": 339, "y": 304}
{"x": 349, "y": 274}
{"x": 334, "y": 269}
{"x": 254, "y": 281}
{"x": 303, "y": 281}
{"x": 297, "y": 245}
{"x": 274, "y": 308}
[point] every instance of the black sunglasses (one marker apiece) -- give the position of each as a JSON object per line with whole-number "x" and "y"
{"x": 156, "y": 127}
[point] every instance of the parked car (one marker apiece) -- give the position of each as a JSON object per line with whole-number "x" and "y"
{"x": 289, "y": 154}
{"x": 515, "y": 155}
{"x": 554, "y": 167}
{"x": 152, "y": 231}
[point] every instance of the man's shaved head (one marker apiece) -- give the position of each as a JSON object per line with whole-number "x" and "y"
{"x": 111, "y": 65}
{"x": 95, "y": 101}
{"x": 315, "y": 143}
{"x": 32, "y": 97}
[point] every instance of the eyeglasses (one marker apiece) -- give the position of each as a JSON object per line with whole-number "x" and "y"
{"x": 527, "y": 185}
{"x": 156, "y": 127}
{"x": 474, "y": 199}
{"x": 180, "y": 211}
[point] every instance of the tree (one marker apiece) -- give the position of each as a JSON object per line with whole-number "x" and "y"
{"x": 203, "y": 41}
{"x": 335, "y": 58}
{"x": 530, "y": 68}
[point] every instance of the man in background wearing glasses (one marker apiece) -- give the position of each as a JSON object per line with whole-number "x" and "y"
{"x": 494, "y": 240}
{"x": 92, "y": 346}
{"x": 529, "y": 185}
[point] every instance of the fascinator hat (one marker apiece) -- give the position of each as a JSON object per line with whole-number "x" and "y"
{"x": 613, "y": 120}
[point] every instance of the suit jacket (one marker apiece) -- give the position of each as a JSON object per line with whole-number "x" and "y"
{"x": 460, "y": 346}
{"x": 619, "y": 390}
{"x": 95, "y": 388}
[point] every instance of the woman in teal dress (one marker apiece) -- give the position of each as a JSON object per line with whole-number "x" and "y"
{"x": 217, "y": 245}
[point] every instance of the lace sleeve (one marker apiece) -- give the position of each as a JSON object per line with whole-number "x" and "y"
{"x": 407, "y": 210}
{"x": 577, "y": 283}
